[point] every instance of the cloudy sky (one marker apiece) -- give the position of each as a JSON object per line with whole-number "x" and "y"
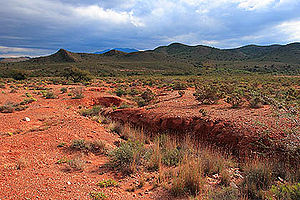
{"x": 40, "y": 27}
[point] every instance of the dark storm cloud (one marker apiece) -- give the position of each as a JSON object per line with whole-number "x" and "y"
{"x": 35, "y": 27}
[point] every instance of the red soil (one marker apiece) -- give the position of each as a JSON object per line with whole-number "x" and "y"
{"x": 236, "y": 129}
{"x": 54, "y": 121}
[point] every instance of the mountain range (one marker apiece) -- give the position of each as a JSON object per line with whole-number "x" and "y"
{"x": 126, "y": 50}
{"x": 174, "y": 59}
{"x": 289, "y": 53}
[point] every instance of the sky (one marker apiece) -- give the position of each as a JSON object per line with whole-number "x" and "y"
{"x": 41, "y": 27}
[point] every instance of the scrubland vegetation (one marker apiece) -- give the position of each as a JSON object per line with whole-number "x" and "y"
{"x": 181, "y": 164}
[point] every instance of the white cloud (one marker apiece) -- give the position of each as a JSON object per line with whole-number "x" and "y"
{"x": 17, "y": 51}
{"x": 97, "y": 13}
{"x": 254, "y": 4}
{"x": 84, "y": 25}
{"x": 291, "y": 29}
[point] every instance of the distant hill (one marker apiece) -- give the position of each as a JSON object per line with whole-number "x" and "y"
{"x": 174, "y": 59}
{"x": 10, "y": 60}
{"x": 275, "y": 53}
{"x": 126, "y": 50}
{"x": 114, "y": 52}
{"x": 61, "y": 55}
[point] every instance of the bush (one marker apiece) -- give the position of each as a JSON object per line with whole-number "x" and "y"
{"x": 2, "y": 85}
{"x": 141, "y": 102}
{"x": 94, "y": 111}
{"x": 28, "y": 101}
{"x": 96, "y": 147}
{"x": 76, "y": 164}
{"x": 207, "y": 94}
{"x": 128, "y": 156}
{"x": 49, "y": 95}
{"x": 171, "y": 157}
{"x": 64, "y": 90}
{"x": 189, "y": 179}
{"x": 18, "y": 74}
{"x": 255, "y": 100}
{"x": 98, "y": 195}
{"x": 226, "y": 193}
{"x": 76, "y": 75}
{"x": 235, "y": 99}
{"x": 211, "y": 162}
{"x": 286, "y": 191}
{"x": 258, "y": 177}
{"x": 148, "y": 95}
{"x": 181, "y": 93}
{"x": 8, "y": 108}
{"x": 179, "y": 86}
{"x": 120, "y": 92}
{"x": 107, "y": 183}
{"x": 77, "y": 93}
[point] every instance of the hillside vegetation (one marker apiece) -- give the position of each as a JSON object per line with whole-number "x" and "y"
{"x": 174, "y": 59}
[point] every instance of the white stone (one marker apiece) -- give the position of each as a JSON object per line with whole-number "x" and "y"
{"x": 27, "y": 119}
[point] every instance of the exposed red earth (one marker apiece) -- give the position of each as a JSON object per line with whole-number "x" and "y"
{"x": 33, "y": 145}
{"x": 221, "y": 125}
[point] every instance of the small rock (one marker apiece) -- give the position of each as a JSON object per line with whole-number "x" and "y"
{"x": 27, "y": 119}
{"x": 280, "y": 179}
{"x": 216, "y": 176}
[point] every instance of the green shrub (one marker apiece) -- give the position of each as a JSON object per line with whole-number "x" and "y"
{"x": 258, "y": 178}
{"x": 98, "y": 195}
{"x": 107, "y": 183}
{"x": 97, "y": 146}
{"x": 286, "y": 191}
{"x": 181, "y": 93}
{"x": 19, "y": 107}
{"x": 76, "y": 75}
{"x": 255, "y": 100}
{"x": 189, "y": 179}
{"x": 123, "y": 106}
{"x": 141, "y": 102}
{"x": 235, "y": 99}
{"x": 179, "y": 86}
{"x": 2, "y": 85}
{"x": 27, "y": 101}
{"x": 148, "y": 95}
{"x": 18, "y": 74}
{"x": 171, "y": 157}
{"x": 94, "y": 111}
{"x": 207, "y": 94}
{"x": 133, "y": 92}
{"x": 120, "y": 92}
{"x": 128, "y": 156}
{"x": 8, "y": 108}
{"x": 49, "y": 95}
{"x": 64, "y": 90}
{"x": 78, "y": 144}
{"x": 145, "y": 98}
{"x": 226, "y": 193}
